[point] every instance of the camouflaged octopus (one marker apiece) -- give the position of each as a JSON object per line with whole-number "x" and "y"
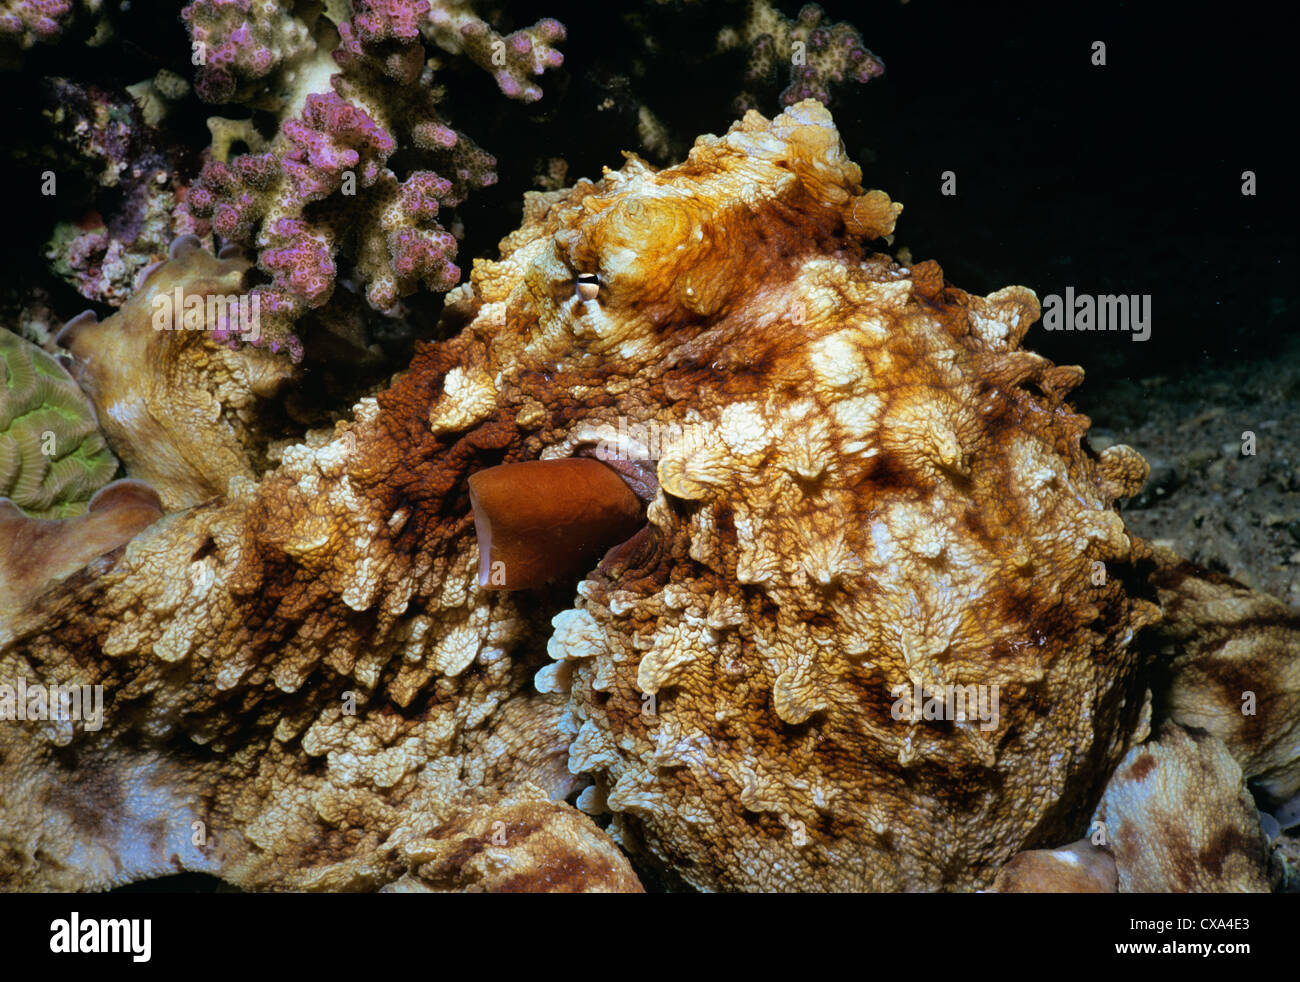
{"x": 866, "y": 486}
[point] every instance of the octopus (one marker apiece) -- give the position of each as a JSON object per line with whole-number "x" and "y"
{"x": 712, "y": 547}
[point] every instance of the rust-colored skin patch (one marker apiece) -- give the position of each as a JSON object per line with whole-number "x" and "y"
{"x": 864, "y": 484}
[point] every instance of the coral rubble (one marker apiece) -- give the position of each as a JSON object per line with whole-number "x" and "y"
{"x": 101, "y": 136}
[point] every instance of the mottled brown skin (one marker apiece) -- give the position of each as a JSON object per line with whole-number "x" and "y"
{"x": 1178, "y": 819}
{"x": 234, "y": 637}
{"x": 763, "y": 611}
{"x": 1229, "y": 673}
{"x": 524, "y": 845}
{"x": 1080, "y": 867}
{"x": 869, "y": 485}
{"x": 39, "y": 551}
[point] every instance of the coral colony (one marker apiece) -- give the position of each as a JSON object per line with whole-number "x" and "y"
{"x": 567, "y": 599}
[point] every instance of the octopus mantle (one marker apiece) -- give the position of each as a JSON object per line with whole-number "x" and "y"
{"x": 865, "y": 486}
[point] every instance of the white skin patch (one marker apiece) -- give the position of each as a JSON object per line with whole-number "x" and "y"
{"x": 743, "y": 429}
{"x": 837, "y": 361}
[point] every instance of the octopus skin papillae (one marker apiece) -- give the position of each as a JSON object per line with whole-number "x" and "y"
{"x": 871, "y": 485}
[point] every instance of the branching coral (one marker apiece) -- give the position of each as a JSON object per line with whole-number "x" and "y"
{"x": 513, "y": 60}
{"x": 333, "y": 151}
{"x": 53, "y": 457}
{"x": 27, "y": 22}
{"x": 242, "y": 47}
{"x": 384, "y": 30}
{"x": 333, "y": 155}
{"x": 816, "y": 56}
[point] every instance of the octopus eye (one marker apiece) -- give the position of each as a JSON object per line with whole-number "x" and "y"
{"x": 542, "y": 520}
{"x": 588, "y": 286}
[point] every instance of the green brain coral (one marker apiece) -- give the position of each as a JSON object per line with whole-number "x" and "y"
{"x": 52, "y": 456}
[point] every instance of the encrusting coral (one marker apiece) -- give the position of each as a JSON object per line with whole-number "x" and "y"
{"x": 53, "y": 457}
{"x": 863, "y": 501}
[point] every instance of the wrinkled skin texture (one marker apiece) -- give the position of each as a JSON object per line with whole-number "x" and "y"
{"x": 1178, "y": 819}
{"x": 867, "y": 495}
{"x": 526, "y": 844}
{"x": 871, "y": 486}
{"x": 180, "y": 404}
